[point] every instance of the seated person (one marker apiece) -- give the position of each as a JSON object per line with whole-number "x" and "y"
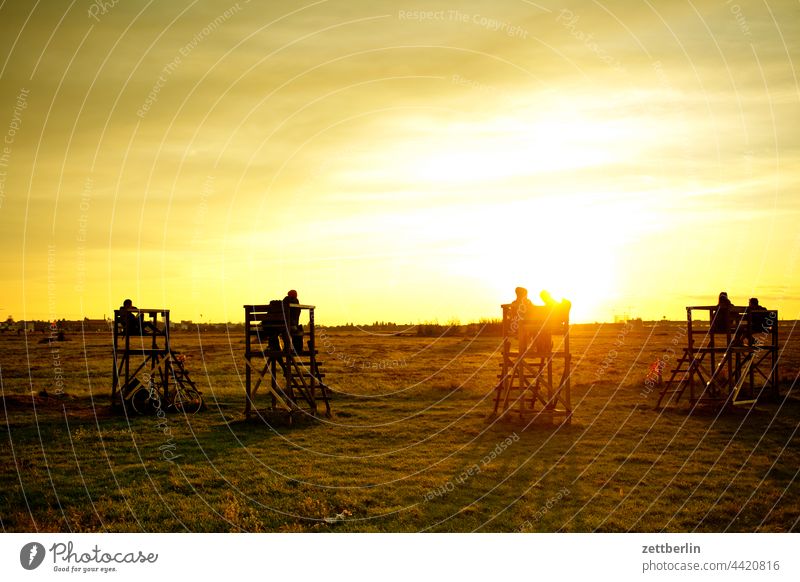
{"x": 757, "y": 319}
{"x": 520, "y": 309}
{"x": 281, "y": 319}
{"x": 560, "y": 309}
{"x": 721, "y": 316}
{"x": 272, "y": 325}
{"x": 557, "y": 312}
{"x": 131, "y": 321}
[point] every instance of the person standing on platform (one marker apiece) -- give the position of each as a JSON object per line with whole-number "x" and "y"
{"x": 292, "y": 319}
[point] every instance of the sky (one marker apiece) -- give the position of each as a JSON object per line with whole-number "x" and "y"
{"x": 398, "y": 161}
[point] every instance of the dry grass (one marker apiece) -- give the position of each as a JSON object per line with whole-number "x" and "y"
{"x": 400, "y": 454}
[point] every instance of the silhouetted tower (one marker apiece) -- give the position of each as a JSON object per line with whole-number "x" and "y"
{"x": 534, "y": 381}
{"x": 275, "y": 351}
{"x": 731, "y": 361}
{"x": 143, "y": 357}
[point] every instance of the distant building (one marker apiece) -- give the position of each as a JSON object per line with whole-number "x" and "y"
{"x": 31, "y": 326}
{"x": 96, "y": 324}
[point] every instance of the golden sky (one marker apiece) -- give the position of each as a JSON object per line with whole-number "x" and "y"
{"x": 399, "y": 161}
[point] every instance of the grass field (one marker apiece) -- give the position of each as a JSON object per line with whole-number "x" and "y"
{"x": 409, "y": 447}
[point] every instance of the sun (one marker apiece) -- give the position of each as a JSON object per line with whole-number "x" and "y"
{"x": 538, "y": 196}
{"x": 572, "y": 250}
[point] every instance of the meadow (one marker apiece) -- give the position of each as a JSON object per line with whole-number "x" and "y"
{"x": 410, "y": 446}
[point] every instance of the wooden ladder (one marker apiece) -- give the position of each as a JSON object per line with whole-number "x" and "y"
{"x": 686, "y": 368}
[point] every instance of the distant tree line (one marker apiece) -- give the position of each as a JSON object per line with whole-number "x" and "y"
{"x": 489, "y": 327}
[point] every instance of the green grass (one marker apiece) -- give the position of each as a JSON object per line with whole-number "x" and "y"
{"x": 405, "y": 427}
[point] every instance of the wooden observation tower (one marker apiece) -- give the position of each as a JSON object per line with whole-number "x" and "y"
{"x": 274, "y": 348}
{"x": 729, "y": 360}
{"x": 534, "y": 381}
{"x": 148, "y": 374}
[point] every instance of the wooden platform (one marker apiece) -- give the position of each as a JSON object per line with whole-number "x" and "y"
{"x": 276, "y": 366}
{"x": 534, "y": 384}
{"x": 723, "y": 365}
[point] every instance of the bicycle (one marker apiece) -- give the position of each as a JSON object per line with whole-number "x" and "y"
{"x": 183, "y": 395}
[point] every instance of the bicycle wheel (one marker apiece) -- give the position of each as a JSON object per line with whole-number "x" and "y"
{"x": 188, "y": 400}
{"x": 138, "y": 401}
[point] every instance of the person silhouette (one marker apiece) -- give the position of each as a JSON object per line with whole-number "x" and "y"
{"x": 757, "y": 320}
{"x": 721, "y": 320}
{"x": 130, "y": 320}
{"x": 292, "y": 319}
{"x": 557, "y": 312}
{"x": 520, "y": 309}
{"x": 134, "y": 322}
